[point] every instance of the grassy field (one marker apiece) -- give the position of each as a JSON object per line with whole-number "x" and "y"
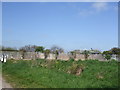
{"x": 55, "y": 74}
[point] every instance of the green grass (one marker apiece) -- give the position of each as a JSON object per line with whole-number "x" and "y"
{"x": 53, "y": 74}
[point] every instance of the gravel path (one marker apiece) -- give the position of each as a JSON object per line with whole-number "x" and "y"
{"x": 4, "y": 84}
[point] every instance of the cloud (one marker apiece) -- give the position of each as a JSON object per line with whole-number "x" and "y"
{"x": 94, "y": 8}
{"x": 100, "y": 6}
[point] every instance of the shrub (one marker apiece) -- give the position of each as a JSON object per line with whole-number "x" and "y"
{"x": 108, "y": 57}
{"x": 75, "y": 69}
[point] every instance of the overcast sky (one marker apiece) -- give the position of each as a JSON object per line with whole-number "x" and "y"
{"x": 82, "y": 25}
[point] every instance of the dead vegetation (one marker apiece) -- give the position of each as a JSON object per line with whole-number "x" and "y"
{"x": 76, "y": 69}
{"x": 99, "y": 76}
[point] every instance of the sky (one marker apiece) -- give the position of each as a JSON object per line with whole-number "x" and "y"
{"x": 69, "y": 25}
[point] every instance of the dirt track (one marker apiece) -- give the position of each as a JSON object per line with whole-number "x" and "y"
{"x": 4, "y": 84}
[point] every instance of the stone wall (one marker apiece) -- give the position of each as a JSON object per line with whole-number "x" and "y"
{"x": 35, "y": 55}
{"x": 63, "y": 56}
{"x": 80, "y": 57}
{"x": 96, "y": 56}
{"x": 51, "y": 56}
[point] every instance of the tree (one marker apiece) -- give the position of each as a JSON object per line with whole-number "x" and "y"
{"x": 60, "y": 50}
{"x": 39, "y": 49}
{"x": 73, "y": 53}
{"x": 8, "y": 49}
{"x": 56, "y": 54}
{"x": 56, "y": 50}
{"x": 22, "y": 50}
{"x": 115, "y": 50}
{"x": 46, "y": 53}
{"x": 107, "y": 54}
{"x": 28, "y": 48}
{"x": 86, "y": 54}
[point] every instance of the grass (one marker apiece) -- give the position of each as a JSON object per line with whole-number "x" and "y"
{"x": 54, "y": 74}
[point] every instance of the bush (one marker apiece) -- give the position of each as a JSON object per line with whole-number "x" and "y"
{"x": 71, "y": 60}
{"x": 108, "y": 57}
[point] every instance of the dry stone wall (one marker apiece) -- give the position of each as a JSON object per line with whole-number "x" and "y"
{"x": 37, "y": 55}
{"x": 79, "y": 57}
{"x": 51, "y": 56}
{"x": 63, "y": 56}
{"x": 96, "y": 56}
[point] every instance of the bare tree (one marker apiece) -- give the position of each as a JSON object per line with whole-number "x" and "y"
{"x": 56, "y": 50}
{"x": 46, "y": 53}
{"x": 28, "y": 48}
{"x": 73, "y": 54}
{"x": 86, "y": 54}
